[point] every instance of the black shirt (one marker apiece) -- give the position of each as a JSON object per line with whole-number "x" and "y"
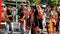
{"x": 9, "y": 13}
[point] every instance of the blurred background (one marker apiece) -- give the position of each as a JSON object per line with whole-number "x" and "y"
{"x": 15, "y": 4}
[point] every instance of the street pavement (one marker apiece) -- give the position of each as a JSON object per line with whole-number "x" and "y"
{"x": 45, "y": 32}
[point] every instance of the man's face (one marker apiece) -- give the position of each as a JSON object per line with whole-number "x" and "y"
{"x": 9, "y": 8}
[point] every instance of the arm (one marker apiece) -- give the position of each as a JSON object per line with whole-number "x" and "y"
{"x": 6, "y": 17}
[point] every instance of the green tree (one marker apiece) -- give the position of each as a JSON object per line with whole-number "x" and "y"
{"x": 53, "y": 2}
{"x": 35, "y": 1}
{"x": 50, "y": 2}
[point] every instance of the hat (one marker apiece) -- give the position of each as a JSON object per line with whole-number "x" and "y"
{"x": 3, "y": 5}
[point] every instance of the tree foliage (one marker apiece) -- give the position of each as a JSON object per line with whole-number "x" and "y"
{"x": 51, "y": 2}
{"x": 54, "y": 2}
{"x": 35, "y": 1}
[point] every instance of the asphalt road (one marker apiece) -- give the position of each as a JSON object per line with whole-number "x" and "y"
{"x": 45, "y": 32}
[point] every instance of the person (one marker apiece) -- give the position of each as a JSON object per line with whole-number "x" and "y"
{"x": 3, "y": 11}
{"x": 44, "y": 20}
{"x": 8, "y": 19}
{"x": 14, "y": 13}
{"x": 58, "y": 21}
{"x": 54, "y": 18}
{"x": 34, "y": 20}
{"x": 26, "y": 12}
{"x": 57, "y": 25}
{"x": 40, "y": 15}
{"x": 21, "y": 19}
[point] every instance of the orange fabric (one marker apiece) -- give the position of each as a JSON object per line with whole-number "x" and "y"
{"x": 51, "y": 25}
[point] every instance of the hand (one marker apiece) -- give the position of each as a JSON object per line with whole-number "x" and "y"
{"x": 27, "y": 27}
{"x": 21, "y": 20}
